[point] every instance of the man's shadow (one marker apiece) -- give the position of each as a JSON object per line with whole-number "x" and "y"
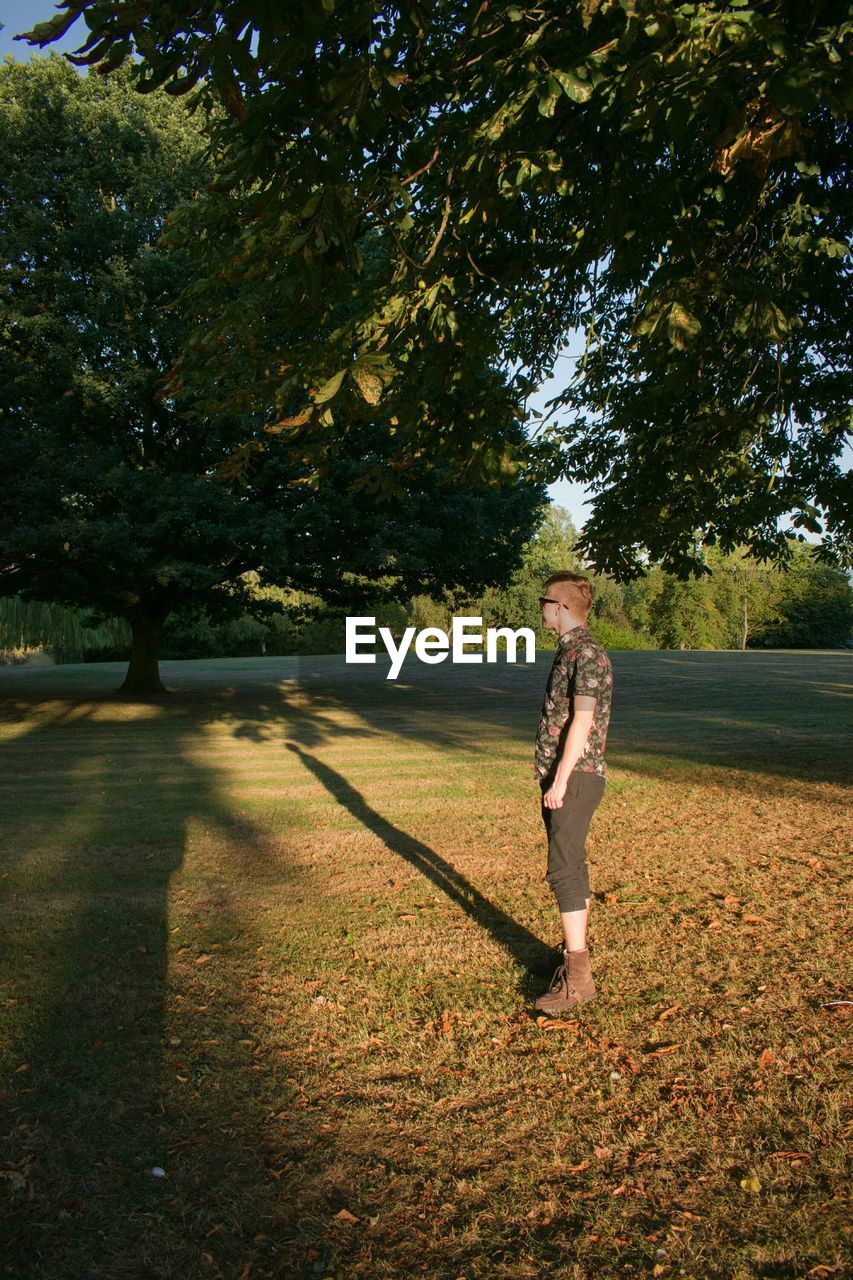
{"x": 525, "y": 948}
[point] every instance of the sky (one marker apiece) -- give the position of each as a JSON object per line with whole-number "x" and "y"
{"x": 22, "y": 15}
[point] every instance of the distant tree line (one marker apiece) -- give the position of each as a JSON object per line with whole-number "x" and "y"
{"x": 738, "y": 604}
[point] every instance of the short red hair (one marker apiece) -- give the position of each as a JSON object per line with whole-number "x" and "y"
{"x": 572, "y": 590}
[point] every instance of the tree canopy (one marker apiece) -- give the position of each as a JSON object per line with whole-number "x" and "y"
{"x": 121, "y": 496}
{"x": 669, "y": 178}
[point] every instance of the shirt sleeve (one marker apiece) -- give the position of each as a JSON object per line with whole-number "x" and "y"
{"x": 588, "y": 673}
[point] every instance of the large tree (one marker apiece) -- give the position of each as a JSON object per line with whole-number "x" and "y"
{"x": 120, "y": 496}
{"x": 669, "y": 178}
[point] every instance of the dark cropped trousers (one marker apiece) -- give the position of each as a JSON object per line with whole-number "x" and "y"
{"x": 567, "y": 829}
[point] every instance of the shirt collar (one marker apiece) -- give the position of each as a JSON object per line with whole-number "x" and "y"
{"x": 569, "y": 636}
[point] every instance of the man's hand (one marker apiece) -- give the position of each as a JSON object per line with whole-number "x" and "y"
{"x": 554, "y": 796}
{"x": 573, "y": 748}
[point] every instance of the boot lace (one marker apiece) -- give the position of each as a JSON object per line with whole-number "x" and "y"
{"x": 561, "y": 977}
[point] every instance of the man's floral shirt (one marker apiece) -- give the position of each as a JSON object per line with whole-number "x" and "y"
{"x": 581, "y": 669}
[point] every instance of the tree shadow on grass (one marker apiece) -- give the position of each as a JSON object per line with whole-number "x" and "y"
{"x": 115, "y": 1066}
{"x": 781, "y": 714}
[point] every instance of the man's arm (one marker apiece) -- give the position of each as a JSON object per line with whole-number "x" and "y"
{"x": 573, "y": 748}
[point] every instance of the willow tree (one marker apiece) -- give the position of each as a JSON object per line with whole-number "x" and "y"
{"x": 669, "y": 178}
{"x": 121, "y": 497}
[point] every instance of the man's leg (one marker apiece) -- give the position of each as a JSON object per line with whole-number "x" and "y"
{"x": 574, "y": 928}
{"x": 568, "y": 877}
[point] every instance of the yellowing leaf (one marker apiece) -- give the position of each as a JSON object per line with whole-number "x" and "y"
{"x": 330, "y": 388}
{"x": 751, "y": 1183}
{"x": 298, "y": 420}
{"x": 579, "y": 90}
{"x": 682, "y": 325}
{"x": 368, "y": 382}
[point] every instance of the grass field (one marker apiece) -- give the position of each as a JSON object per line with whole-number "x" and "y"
{"x": 280, "y": 938}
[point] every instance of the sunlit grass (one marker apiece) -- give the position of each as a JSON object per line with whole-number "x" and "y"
{"x": 278, "y": 937}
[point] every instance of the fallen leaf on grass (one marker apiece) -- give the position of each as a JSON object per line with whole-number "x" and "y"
{"x": 554, "y": 1024}
{"x": 602, "y": 1153}
{"x": 754, "y": 920}
{"x": 203, "y": 959}
{"x": 668, "y": 1013}
{"x": 766, "y": 1059}
{"x": 789, "y": 1155}
{"x": 344, "y": 1215}
{"x": 751, "y": 1183}
{"x": 657, "y": 1050}
{"x": 578, "y": 1168}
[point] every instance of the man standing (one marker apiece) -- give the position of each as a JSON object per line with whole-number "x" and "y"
{"x": 571, "y": 771}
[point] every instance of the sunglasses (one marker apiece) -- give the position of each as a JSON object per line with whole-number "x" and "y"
{"x": 548, "y": 600}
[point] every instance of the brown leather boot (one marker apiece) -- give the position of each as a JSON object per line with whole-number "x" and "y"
{"x": 572, "y": 984}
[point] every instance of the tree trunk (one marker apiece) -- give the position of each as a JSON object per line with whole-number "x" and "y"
{"x": 745, "y": 627}
{"x": 143, "y": 673}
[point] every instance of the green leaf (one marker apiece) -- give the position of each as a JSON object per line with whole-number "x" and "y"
{"x": 795, "y": 90}
{"x": 573, "y": 86}
{"x": 549, "y": 98}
